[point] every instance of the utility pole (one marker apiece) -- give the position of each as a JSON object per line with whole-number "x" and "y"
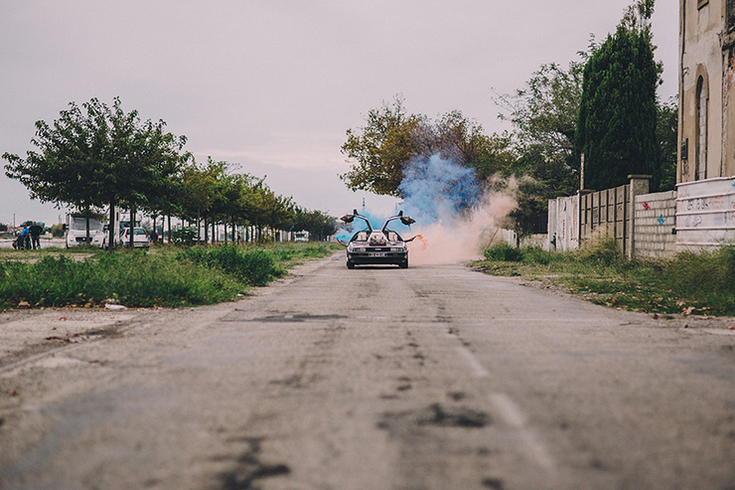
{"x": 581, "y": 173}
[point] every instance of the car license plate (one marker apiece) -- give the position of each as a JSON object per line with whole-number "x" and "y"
{"x": 376, "y": 254}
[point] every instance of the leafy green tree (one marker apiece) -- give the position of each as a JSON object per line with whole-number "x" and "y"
{"x": 544, "y": 112}
{"x": 231, "y": 193}
{"x": 666, "y": 133}
{"x": 544, "y": 117}
{"x": 152, "y": 164}
{"x": 392, "y": 138}
{"x": 65, "y": 169}
{"x": 241, "y": 190}
{"x": 271, "y": 210}
{"x": 319, "y": 225}
{"x": 385, "y": 144}
{"x": 540, "y": 178}
{"x": 159, "y": 196}
{"x": 211, "y": 193}
{"x": 496, "y": 158}
{"x": 464, "y": 141}
{"x": 616, "y": 126}
{"x": 95, "y": 155}
{"x": 200, "y": 189}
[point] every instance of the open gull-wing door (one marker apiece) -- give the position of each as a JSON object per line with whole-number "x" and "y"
{"x": 349, "y": 218}
{"x": 406, "y": 220}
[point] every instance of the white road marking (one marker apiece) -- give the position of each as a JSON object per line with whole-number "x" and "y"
{"x": 477, "y": 368}
{"x": 513, "y": 417}
{"x": 508, "y": 410}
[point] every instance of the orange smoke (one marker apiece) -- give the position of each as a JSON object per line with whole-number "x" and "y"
{"x": 461, "y": 239}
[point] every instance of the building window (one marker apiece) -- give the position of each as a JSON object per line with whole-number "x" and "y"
{"x": 702, "y": 3}
{"x": 700, "y": 165}
{"x": 730, "y": 15}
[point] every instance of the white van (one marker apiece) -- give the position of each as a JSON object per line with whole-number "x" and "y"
{"x": 76, "y": 231}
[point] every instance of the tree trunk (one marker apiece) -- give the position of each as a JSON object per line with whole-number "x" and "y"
{"x": 111, "y": 236}
{"x": 132, "y": 225}
{"x": 86, "y": 219}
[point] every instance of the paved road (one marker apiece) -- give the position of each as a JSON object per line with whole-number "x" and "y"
{"x": 44, "y": 242}
{"x": 433, "y": 377}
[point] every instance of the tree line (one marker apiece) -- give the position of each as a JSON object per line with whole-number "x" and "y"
{"x": 603, "y": 106}
{"x": 95, "y": 156}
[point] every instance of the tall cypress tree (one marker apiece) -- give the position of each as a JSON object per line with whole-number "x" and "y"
{"x": 616, "y": 126}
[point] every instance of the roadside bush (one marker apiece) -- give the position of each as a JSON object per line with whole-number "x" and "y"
{"x": 184, "y": 236}
{"x": 168, "y": 277}
{"x": 704, "y": 277}
{"x": 701, "y": 283}
{"x": 290, "y": 251}
{"x": 504, "y": 253}
{"x": 134, "y": 279}
{"x": 537, "y": 255}
{"x": 603, "y": 251}
{"x": 254, "y": 266}
{"x": 57, "y": 231}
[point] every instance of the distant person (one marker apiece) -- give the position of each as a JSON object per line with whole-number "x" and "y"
{"x": 25, "y": 238}
{"x": 35, "y": 230}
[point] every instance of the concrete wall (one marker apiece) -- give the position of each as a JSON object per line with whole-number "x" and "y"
{"x": 705, "y": 214}
{"x": 596, "y": 214}
{"x": 654, "y": 230}
{"x": 606, "y": 213}
{"x": 509, "y": 237}
{"x": 564, "y": 223}
{"x": 699, "y": 215}
{"x": 540, "y": 240}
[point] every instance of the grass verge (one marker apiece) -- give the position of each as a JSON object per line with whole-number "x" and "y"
{"x": 690, "y": 284}
{"x": 165, "y": 276}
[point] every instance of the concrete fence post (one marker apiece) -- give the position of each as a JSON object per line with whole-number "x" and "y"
{"x": 638, "y": 185}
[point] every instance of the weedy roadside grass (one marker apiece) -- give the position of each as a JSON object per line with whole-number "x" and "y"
{"x": 163, "y": 276}
{"x": 691, "y": 283}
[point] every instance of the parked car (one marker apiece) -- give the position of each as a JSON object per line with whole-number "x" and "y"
{"x": 384, "y": 246}
{"x": 140, "y": 237}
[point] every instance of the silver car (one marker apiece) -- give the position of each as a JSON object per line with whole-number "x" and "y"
{"x": 377, "y": 247}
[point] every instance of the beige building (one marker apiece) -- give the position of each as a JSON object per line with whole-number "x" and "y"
{"x": 705, "y": 202}
{"x": 707, "y": 108}
{"x": 700, "y": 214}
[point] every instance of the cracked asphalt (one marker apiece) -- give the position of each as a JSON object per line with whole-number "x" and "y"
{"x": 434, "y": 377}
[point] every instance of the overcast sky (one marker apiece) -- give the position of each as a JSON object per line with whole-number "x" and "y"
{"x": 272, "y": 85}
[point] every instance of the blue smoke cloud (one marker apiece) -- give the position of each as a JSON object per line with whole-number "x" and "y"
{"x": 437, "y": 189}
{"x": 376, "y": 222}
{"x": 434, "y": 189}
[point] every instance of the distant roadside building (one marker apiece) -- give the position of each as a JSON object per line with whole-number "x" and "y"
{"x": 705, "y": 214}
{"x": 707, "y": 108}
{"x": 700, "y": 214}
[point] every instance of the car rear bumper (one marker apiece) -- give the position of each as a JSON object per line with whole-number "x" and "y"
{"x": 377, "y": 257}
